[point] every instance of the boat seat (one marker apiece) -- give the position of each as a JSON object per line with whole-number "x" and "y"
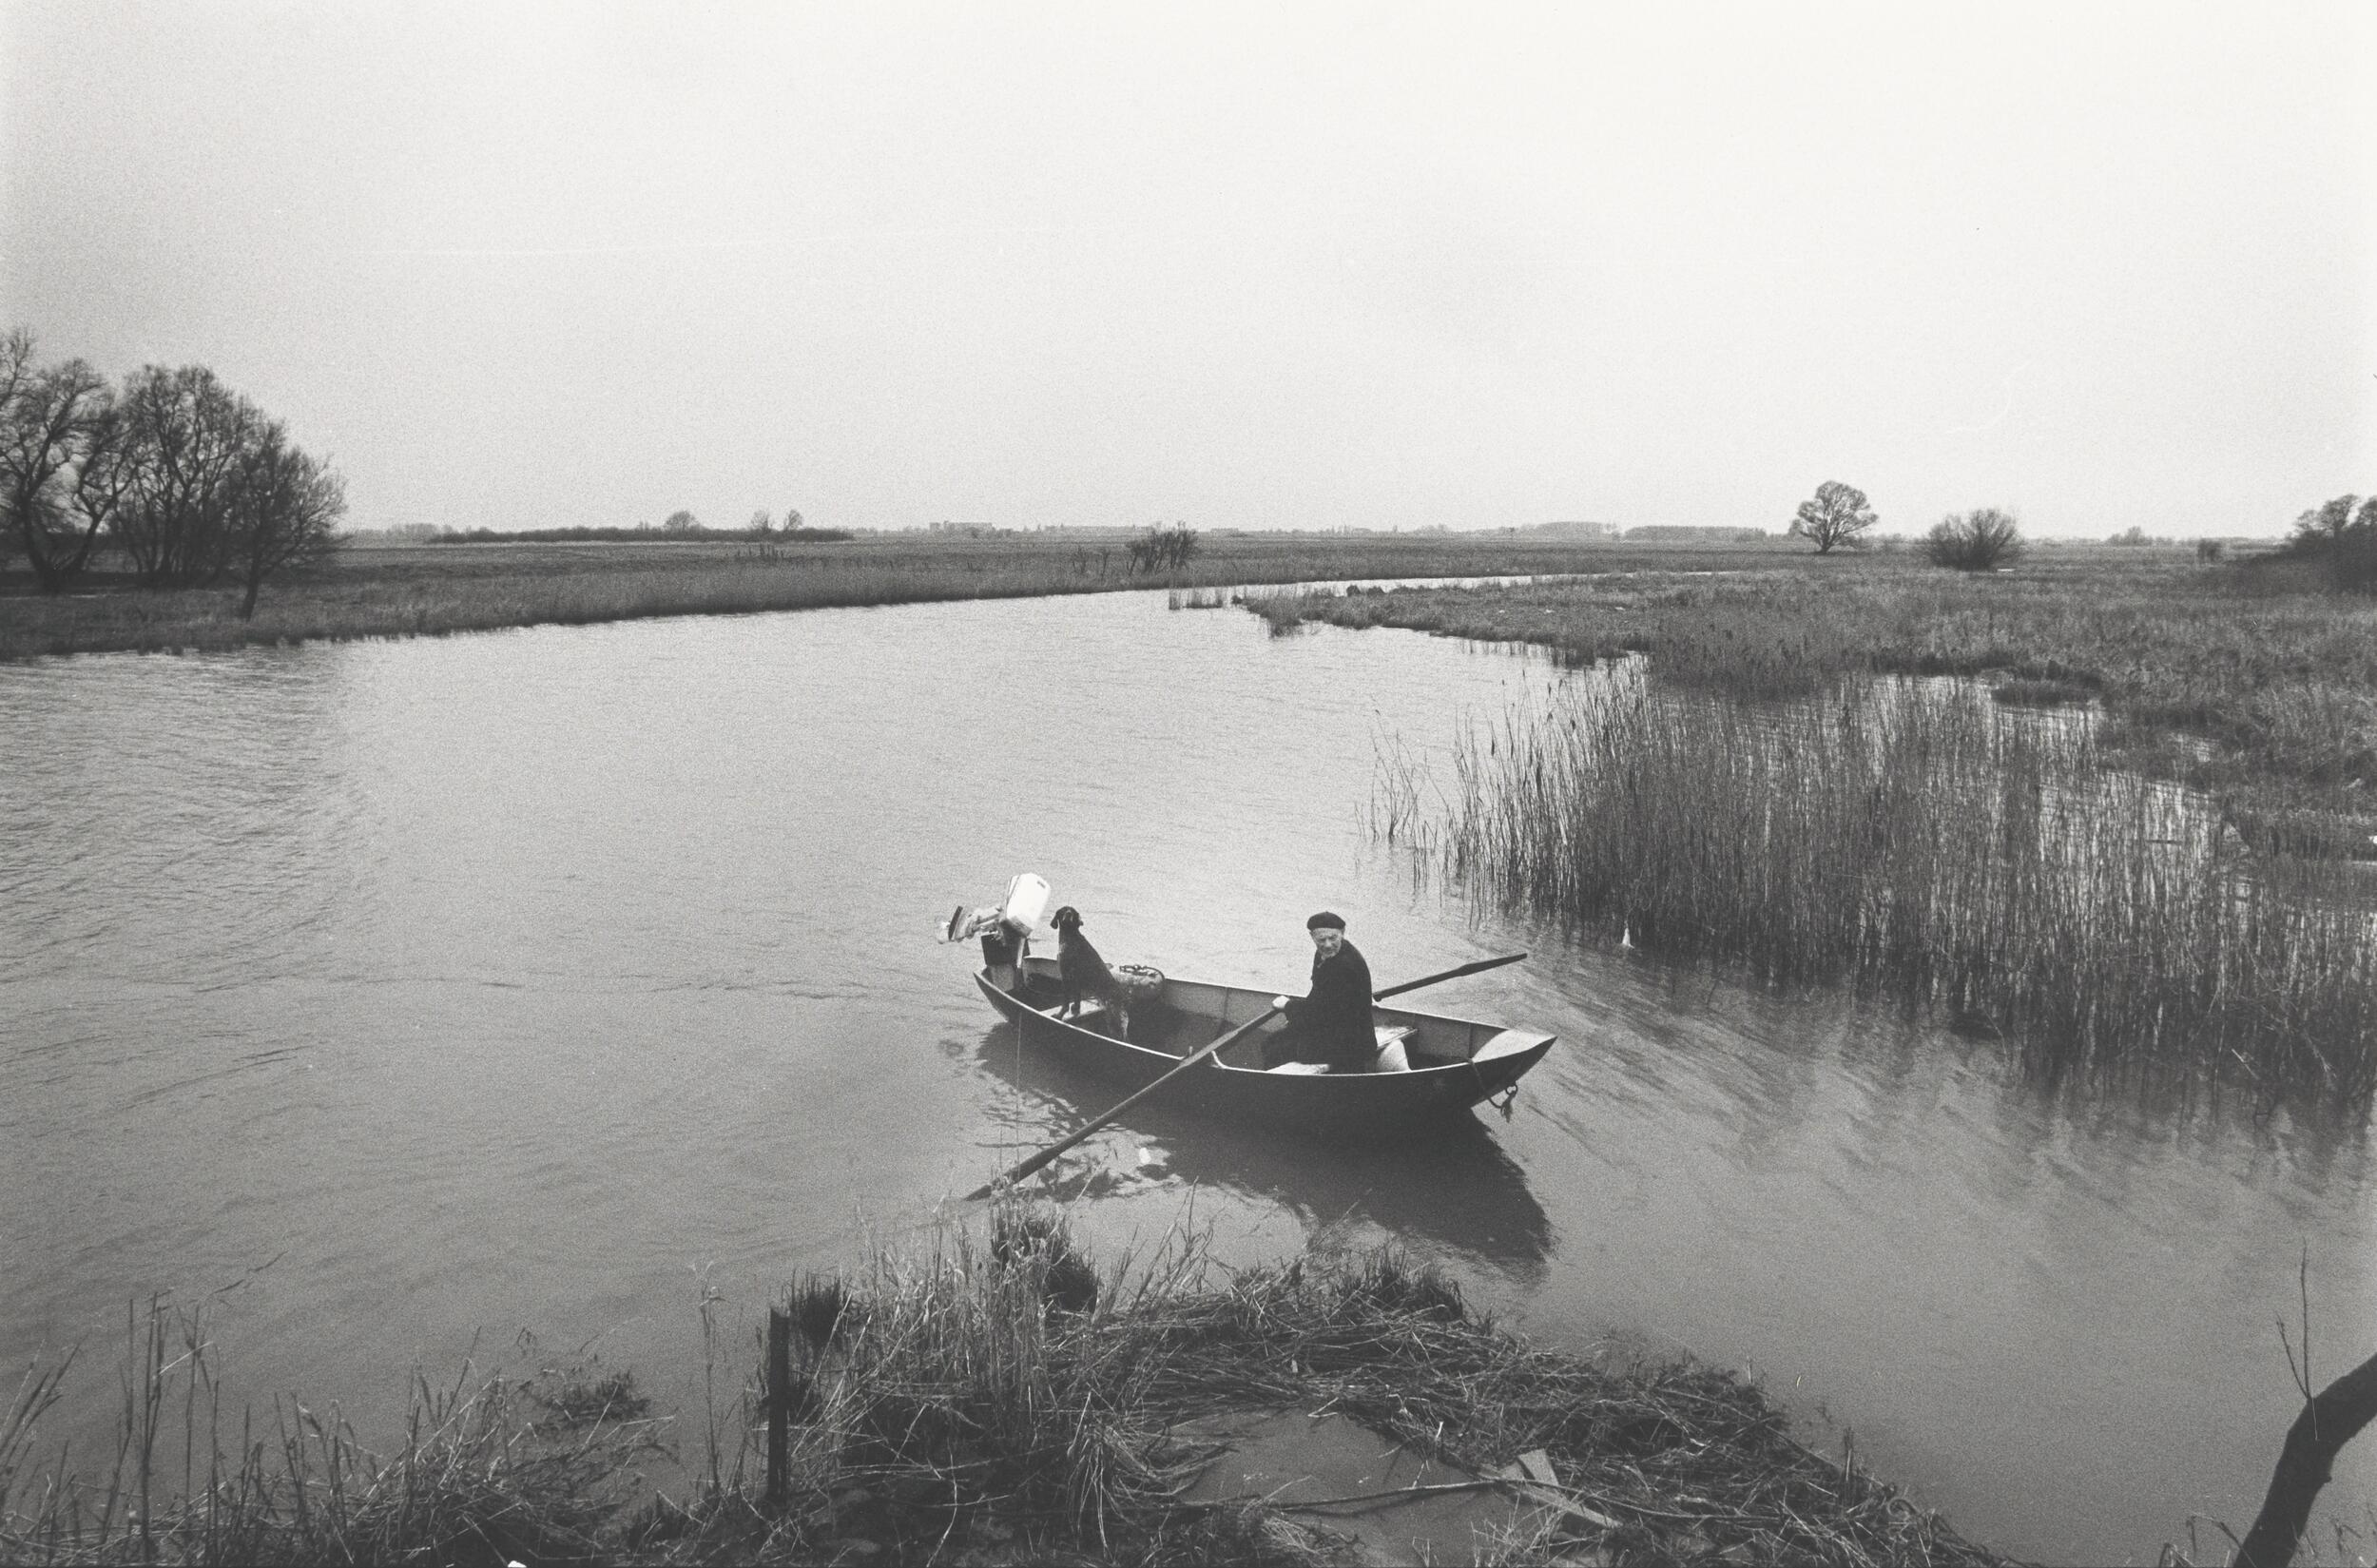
{"x": 1391, "y": 1037}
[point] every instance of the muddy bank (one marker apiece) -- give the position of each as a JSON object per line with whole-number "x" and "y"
{"x": 998, "y": 1397}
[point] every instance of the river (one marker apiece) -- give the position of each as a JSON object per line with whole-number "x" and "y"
{"x": 407, "y": 996}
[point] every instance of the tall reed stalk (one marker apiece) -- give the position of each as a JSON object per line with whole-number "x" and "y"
{"x": 1903, "y": 837}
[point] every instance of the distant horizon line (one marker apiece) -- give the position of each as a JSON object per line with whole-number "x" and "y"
{"x": 1614, "y": 532}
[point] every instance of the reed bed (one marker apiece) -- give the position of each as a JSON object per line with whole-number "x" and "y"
{"x": 1907, "y": 837}
{"x": 1001, "y": 1401}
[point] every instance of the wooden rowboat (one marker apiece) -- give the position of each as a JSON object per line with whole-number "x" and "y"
{"x": 1456, "y": 1063}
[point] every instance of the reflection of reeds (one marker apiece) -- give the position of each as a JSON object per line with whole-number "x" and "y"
{"x": 971, "y": 1402}
{"x": 1906, "y": 839}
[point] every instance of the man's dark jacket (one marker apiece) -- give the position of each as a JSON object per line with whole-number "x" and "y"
{"x": 1333, "y": 1023}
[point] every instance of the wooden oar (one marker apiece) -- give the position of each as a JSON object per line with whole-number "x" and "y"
{"x": 1036, "y": 1161}
{"x": 1448, "y": 975}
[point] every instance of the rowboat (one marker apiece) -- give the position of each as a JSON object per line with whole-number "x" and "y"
{"x": 1456, "y": 1063}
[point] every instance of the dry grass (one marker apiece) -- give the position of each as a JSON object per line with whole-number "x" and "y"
{"x": 532, "y": 1471}
{"x": 973, "y": 1403}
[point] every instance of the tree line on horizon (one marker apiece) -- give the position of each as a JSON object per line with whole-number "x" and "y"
{"x": 192, "y": 483}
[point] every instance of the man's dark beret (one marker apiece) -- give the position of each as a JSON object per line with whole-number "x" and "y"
{"x": 1324, "y": 918}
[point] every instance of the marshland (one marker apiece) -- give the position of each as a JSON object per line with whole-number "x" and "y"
{"x": 2127, "y": 822}
{"x": 423, "y": 991}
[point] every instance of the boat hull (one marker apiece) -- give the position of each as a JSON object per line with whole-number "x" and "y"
{"x": 1455, "y": 1062}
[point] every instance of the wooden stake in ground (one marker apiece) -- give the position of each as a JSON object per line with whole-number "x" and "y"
{"x": 778, "y": 1401}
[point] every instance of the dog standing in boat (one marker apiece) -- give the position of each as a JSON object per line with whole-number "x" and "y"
{"x": 1080, "y": 973}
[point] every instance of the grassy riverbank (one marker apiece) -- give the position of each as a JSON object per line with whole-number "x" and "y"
{"x": 432, "y": 590}
{"x": 2244, "y": 681}
{"x": 977, "y": 1405}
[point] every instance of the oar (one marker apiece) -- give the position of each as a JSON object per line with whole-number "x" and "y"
{"x": 1036, "y": 1161}
{"x": 1448, "y": 975}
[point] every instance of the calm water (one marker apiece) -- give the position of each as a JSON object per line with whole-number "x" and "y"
{"x": 419, "y": 994}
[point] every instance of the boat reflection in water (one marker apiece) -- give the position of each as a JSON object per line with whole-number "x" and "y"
{"x": 1442, "y": 1186}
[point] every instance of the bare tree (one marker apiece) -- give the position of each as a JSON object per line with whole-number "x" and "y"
{"x": 283, "y": 505}
{"x": 1835, "y": 515}
{"x": 185, "y": 435}
{"x": 762, "y": 524}
{"x": 1161, "y": 547}
{"x": 55, "y": 423}
{"x": 681, "y": 521}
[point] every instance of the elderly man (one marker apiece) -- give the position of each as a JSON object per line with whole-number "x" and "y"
{"x": 1332, "y": 1025}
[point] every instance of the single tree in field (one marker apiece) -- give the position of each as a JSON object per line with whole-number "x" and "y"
{"x": 285, "y": 503}
{"x": 58, "y": 427}
{"x": 680, "y": 521}
{"x": 1836, "y": 514}
{"x": 762, "y": 524}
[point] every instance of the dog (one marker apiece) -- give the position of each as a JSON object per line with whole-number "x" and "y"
{"x": 1081, "y": 974}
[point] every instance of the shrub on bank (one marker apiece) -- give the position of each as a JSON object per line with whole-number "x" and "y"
{"x": 2340, "y": 538}
{"x": 1981, "y": 540}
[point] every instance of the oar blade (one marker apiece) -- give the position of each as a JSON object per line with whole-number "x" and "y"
{"x": 1028, "y": 1166}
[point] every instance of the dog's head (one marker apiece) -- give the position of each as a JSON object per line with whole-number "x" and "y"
{"x": 1066, "y": 919}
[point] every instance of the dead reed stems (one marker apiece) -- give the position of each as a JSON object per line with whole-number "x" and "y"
{"x": 1907, "y": 837}
{"x": 494, "y": 1472}
{"x": 976, "y": 1403}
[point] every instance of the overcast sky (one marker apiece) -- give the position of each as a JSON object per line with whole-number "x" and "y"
{"x": 1267, "y": 266}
